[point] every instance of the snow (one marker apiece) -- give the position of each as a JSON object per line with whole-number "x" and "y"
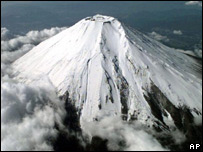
{"x": 93, "y": 58}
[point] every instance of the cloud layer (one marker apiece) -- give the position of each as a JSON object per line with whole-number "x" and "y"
{"x": 32, "y": 37}
{"x": 14, "y": 46}
{"x": 29, "y": 112}
{"x": 129, "y": 136}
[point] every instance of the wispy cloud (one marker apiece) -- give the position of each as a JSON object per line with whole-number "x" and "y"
{"x": 158, "y": 37}
{"x": 177, "y": 32}
{"x": 199, "y": 3}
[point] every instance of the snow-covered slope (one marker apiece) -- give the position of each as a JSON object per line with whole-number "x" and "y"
{"x": 110, "y": 69}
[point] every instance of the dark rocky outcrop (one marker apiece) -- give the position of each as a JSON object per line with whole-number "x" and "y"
{"x": 72, "y": 141}
{"x": 182, "y": 117}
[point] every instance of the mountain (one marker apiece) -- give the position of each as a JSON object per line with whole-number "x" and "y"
{"x": 105, "y": 68}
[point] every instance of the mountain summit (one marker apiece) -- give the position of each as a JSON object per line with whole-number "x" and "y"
{"x": 109, "y": 69}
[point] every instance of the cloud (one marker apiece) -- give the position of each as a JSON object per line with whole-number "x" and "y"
{"x": 158, "y": 37}
{"x": 177, "y": 32}
{"x": 199, "y": 3}
{"x": 29, "y": 112}
{"x": 5, "y": 34}
{"x": 9, "y": 57}
{"x": 117, "y": 131}
{"x": 196, "y": 53}
{"x": 32, "y": 37}
{"x": 13, "y": 47}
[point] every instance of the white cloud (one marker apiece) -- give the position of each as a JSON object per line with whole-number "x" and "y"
{"x": 116, "y": 130}
{"x": 8, "y": 57}
{"x": 199, "y": 3}
{"x": 5, "y": 34}
{"x": 177, "y": 32}
{"x": 29, "y": 112}
{"x": 32, "y": 37}
{"x": 13, "y": 47}
{"x": 195, "y": 53}
{"x": 158, "y": 37}
{"x": 198, "y": 53}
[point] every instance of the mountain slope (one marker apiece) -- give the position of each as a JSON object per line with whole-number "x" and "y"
{"x": 109, "y": 69}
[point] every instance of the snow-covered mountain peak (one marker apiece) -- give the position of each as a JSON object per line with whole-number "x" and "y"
{"x": 107, "y": 69}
